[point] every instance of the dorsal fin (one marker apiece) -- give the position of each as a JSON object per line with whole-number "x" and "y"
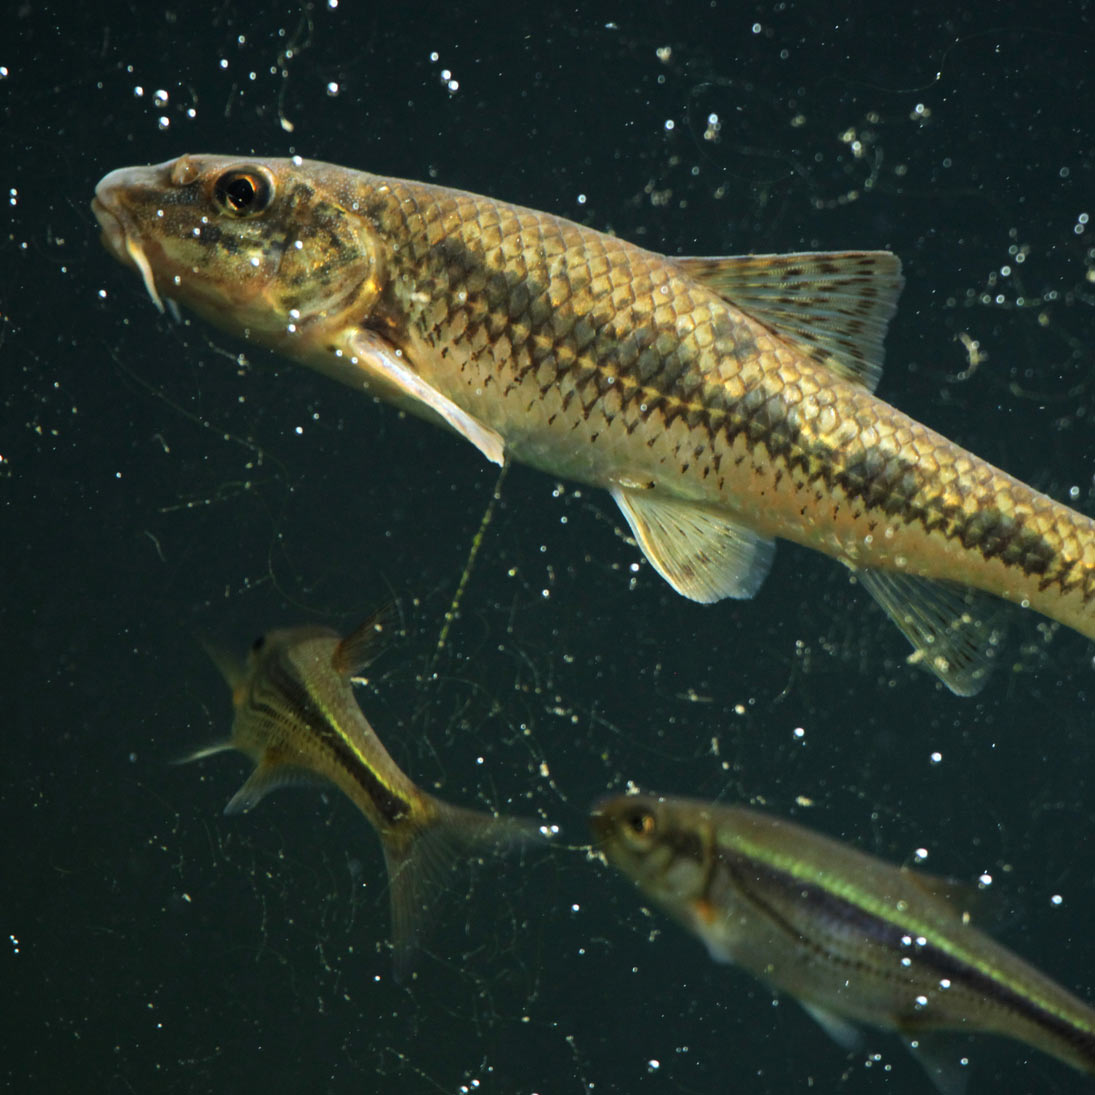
{"x": 833, "y": 305}
{"x": 365, "y": 643}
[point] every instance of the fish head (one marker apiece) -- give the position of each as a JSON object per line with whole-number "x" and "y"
{"x": 269, "y": 249}
{"x": 662, "y": 844}
{"x": 631, "y": 832}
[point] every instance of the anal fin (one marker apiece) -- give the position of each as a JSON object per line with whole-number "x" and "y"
{"x": 702, "y": 555}
{"x": 842, "y": 1031}
{"x": 956, "y": 632}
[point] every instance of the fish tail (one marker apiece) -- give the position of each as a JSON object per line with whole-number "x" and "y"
{"x": 422, "y": 858}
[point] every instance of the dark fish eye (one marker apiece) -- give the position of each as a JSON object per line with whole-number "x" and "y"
{"x": 258, "y": 644}
{"x": 243, "y": 192}
{"x": 641, "y": 823}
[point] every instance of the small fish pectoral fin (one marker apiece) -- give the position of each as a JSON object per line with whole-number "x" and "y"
{"x": 266, "y": 778}
{"x": 702, "y": 555}
{"x": 956, "y": 632}
{"x": 385, "y": 360}
{"x": 834, "y": 306}
{"x": 939, "y": 1055}
{"x": 205, "y": 751}
{"x": 420, "y": 865}
{"x": 842, "y": 1031}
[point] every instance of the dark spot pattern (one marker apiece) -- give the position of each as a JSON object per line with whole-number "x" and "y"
{"x": 624, "y": 335}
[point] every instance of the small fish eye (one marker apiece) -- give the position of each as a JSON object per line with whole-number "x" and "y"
{"x": 258, "y": 644}
{"x": 641, "y": 822}
{"x": 243, "y": 192}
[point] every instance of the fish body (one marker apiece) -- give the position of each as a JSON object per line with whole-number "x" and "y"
{"x": 853, "y": 938}
{"x": 297, "y": 719}
{"x": 723, "y": 402}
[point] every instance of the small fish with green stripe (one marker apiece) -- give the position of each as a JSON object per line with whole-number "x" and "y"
{"x": 297, "y": 718}
{"x": 854, "y": 939}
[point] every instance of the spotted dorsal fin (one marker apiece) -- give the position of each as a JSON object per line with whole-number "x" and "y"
{"x": 833, "y": 305}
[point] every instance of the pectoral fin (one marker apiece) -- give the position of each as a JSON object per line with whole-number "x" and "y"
{"x": 955, "y": 632}
{"x": 389, "y": 363}
{"x": 702, "y": 555}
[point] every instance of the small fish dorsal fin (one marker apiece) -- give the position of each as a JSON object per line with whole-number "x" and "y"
{"x": 833, "y": 305}
{"x": 364, "y": 644}
{"x": 955, "y": 631}
{"x": 702, "y": 555}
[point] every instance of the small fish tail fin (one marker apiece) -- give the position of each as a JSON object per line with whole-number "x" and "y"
{"x": 422, "y": 859}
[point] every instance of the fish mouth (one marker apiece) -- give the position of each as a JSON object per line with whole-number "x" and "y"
{"x": 119, "y": 234}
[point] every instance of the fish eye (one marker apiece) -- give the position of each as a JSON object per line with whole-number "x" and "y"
{"x": 244, "y": 192}
{"x": 640, "y": 822}
{"x": 258, "y": 644}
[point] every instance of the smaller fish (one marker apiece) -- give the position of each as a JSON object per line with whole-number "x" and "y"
{"x": 852, "y": 938}
{"x": 298, "y": 720}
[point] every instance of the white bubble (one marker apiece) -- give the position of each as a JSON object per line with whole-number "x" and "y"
{"x": 333, "y": 88}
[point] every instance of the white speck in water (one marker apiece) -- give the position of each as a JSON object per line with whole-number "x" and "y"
{"x": 921, "y": 854}
{"x": 223, "y": 62}
{"x": 138, "y": 91}
{"x": 332, "y": 4}
{"x": 653, "y": 1064}
{"x": 299, "y": 430}
{"x": 160, "y": 98}
{"x": 582, "y": 201}
{"x": 333, "y": 88}
{"x": 255, "y": 260}
{"x": 1056, "y": 899}
{"x": 799, "y": 733}
{"x": 164, "y": 122}
{"x": 985, "y": 879}
{"x": 936, "y": 757}
{"x": 298, "y": 160}
{"x": 670, "y": 124}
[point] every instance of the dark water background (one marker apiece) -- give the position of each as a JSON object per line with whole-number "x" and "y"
{"x": 152, "y": 490}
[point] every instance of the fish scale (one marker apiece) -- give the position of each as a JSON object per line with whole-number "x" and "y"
{"x": 723, "y": 402}
{"x": 885, "y": 464}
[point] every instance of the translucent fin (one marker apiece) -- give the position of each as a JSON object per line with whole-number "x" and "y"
{"x": 951, "y": 896}
{"x": 955, "y": 631}
{"x": 834, "y": 305}
{"x": 364, "y": 644}
{"x": 230, "y": 666}
{"x": 266, "y": 778}
{"x": 136, "y": 254}
{"x": 845, "y": 1033}
{"x": 941, "y": 1059}
{"x": 386, "y": 361}
{"x": 206, "y": 751}
{"x": 702, "y": 555}
{"x": 421, "y": 861}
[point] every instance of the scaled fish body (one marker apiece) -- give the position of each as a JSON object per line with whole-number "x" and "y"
{"x": 297, "y": 718}
{"x": 853, "y": 938}
{"x": 723, "y": 402}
